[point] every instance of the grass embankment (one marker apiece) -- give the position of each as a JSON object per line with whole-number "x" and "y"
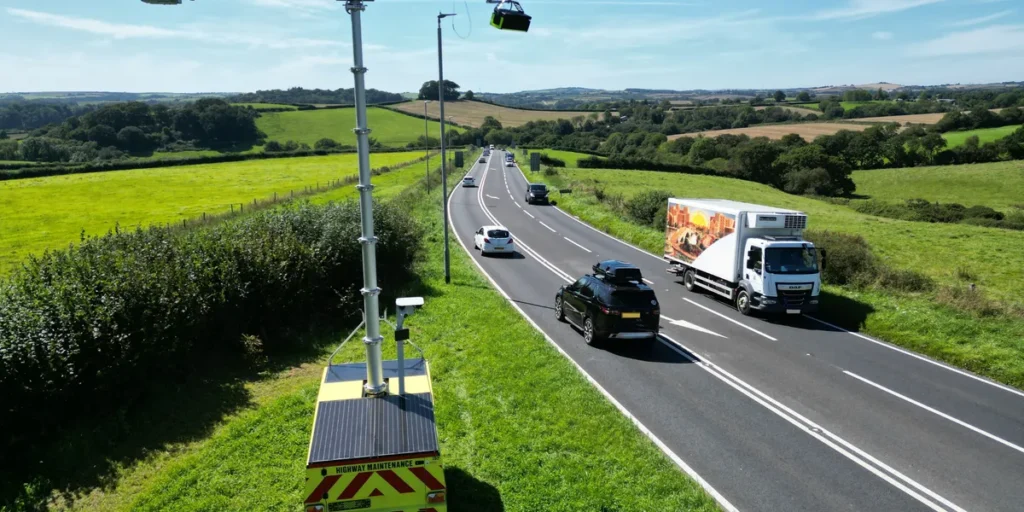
{"x": 999, "y": 185}
{"x": 389, "y": 128}
{"x": 46, "y": 213}
{"x": 954, "y": 139}
{"x": 952, "y": 254}
{"x": 508, "y": 415}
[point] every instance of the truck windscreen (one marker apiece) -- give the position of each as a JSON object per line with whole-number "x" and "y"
{"x": 791, "y": 260}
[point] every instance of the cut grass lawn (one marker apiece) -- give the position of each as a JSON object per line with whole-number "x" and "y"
{"x": 992, "y": 346}
{"x": 954, "y": 139}
{"x": 998, "y": 185}
{"x": 46, "y": 213}
{"x": 508, "y": 417}
{"x": 472, "y": 113}
{"x": 569, "y": 157}
{"x": 389, "y": 128}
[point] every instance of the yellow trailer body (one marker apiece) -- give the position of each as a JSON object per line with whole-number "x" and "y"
{"x": 374, "y": 454}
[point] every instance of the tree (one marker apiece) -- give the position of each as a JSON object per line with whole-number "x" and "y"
{"x": 429, "y": 91}
{"x": 881, "y": 94}
{"x": 779, "y": 96}
{"x": 40, "y": 149}
{"x": 468, "y": 96}
{"x": 9, "y": 150}
{"x": 272, "y": 146}
{"x": 132, "y": 139}
{"x": 326, "y": 144}
{"x": 490, "y": 123}
{"x": 3, "y": 134}
{"x": 803, "y": 96}
{"x": 102, "y": 135}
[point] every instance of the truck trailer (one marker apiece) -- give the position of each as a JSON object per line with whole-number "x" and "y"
{"x": 755, "y": 256}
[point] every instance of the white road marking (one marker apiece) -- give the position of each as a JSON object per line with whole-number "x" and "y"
{"x": 688, "y": 325}
{"x": 545, "y": 225}
{"x": 648, "y": 281}
{"x": 517, "y": 202}
{"x": 831, "y": 440}
{"x": 530, "y": 214}
{"x": 936, "y": 412}
{"x": 747, "y": 327}
{"x": 576, "y": 244}
{"x": 492, "y": 197}
{"x": 922, "y": 358}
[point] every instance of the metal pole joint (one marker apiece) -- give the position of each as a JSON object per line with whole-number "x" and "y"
{"x": 373, "y": 341}
{"x": 370, "y": 291}
{"x": 367, "y": 187}
{"x": 361, "y": 131}
{"x": 358, "y": 70}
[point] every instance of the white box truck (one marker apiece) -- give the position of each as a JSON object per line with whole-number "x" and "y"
{"x": 753, "y": 255}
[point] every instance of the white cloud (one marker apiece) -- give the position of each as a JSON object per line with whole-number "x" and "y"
{"x": 994, "y": 39}
{"x": 983, "y": 19}
{"x": 882, "y": 36}
{"x": 127, "y": 31}
{"x": 860, "y": 9}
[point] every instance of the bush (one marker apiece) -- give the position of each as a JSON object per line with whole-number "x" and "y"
{"x": 272, "y": 146}
{"x": 983, "y": 212}
{"x": 326, "y": 143}
{"x": 809, "y": 181}
{"x": 552, "y": 161}
{"x": 644, "y": 207}
{"x": 902, "y": 280}
{"x": 848, "y": 257}
{"x": 86, "y": 330}
{"x": 968, "y": 298}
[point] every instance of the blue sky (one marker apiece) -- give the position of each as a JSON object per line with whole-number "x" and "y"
{"x": 243, "y": 45}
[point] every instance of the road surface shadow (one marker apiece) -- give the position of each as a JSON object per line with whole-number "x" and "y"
{"x": 468, "y": 494}
{"x": 508, "y": 255}
{"x": 652, "y": 351}
{"x": 842, "y": 311}
{"x": 523, "y": 302}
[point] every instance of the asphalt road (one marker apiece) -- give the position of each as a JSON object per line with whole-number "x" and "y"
{"x": 768, "y": 413}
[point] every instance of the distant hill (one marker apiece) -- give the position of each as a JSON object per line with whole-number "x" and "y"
{"x": 316, "y": 96}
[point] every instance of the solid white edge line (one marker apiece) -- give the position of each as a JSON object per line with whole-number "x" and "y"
{"x": 722, "y": 501}
{"x": 926, "y": 359}
{"x": 549, "y": 227}
{"x": 885, "y": 344}
{"x": 936, "y": 412}
{"x": 741, "y": 324}
{"x": 576, "y": 244}
{"x": 826, "y": 437}
{"x": 813, "y": 429}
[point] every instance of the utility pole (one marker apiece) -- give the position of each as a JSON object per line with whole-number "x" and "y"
{"x": 375, "y": 385}
{"x": 426, "y": 140}
{"x": 444, "y": 162}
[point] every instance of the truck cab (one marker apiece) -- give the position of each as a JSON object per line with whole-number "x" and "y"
{"x": 781, "y": 274}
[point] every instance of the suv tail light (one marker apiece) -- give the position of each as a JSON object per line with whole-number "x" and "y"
{"x": 510, "y": 240}
{"x": 487, "y": 240}
{"x": 656, "y": 312}
{"x": 613, "y": 312}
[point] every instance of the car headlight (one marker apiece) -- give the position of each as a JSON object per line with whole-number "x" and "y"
{"x": 768, "y": 301}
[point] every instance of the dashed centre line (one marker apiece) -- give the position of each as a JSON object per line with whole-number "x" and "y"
{"x": 576, "y": 244}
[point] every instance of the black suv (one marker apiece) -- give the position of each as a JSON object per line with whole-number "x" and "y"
{"x": 611, "y": 303}
{"x": 536, "y": 192}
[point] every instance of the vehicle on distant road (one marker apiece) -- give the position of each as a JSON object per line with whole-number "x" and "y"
{"x": 494, "y": 240}
{"x": 536, "y": 193}
{"x": 492, "y": 146}
{"x": 469, "y": 181}
{"x": 482, "y": 160}
{"x": 755, "y": 256}
{"x": 611, "y": 303}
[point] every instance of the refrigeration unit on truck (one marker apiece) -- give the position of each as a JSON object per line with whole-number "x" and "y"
{"x": 753, "y": 255}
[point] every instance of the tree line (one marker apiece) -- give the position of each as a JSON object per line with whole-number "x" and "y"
{"x": 114, "y": 130}
{"x": 25, "y": 115}
{"x": 315, "y": 96}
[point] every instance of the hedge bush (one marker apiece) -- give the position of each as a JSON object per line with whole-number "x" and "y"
{"x": 84, "y": 330}
{"x": 594, "y": 162}
{"x": 848, "y": 258}
{"x": 552, "y": 161}
{"x": 648, "y": 208}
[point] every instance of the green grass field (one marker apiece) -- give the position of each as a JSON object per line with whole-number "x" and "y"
{"x": 507, "y": 445}
{"x": 42, "y": 213}
{"x": 993, "y": 346}
{"x": 389, "y": 128}
{"x": 954, "y": 139}
{"x": 848, "y": 105}
{"x": 265, "y": 106}
{"x": 998, "y": 185}
{"x": 569, "y": 157}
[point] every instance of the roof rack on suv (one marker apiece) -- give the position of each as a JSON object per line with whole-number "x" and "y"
{"x": 618, "y": 272}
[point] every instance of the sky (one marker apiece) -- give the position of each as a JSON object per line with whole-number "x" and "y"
{"x": 244, "y": 45}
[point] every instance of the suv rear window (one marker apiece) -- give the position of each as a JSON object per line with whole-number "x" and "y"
{"x": 498, "y": 233}
{"x": 640, "y": 299}
{"x": 538, "y": 188}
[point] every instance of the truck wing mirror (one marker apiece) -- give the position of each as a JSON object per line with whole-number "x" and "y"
{"x": 750, "y": 262}
{"x": 823, "y": 259}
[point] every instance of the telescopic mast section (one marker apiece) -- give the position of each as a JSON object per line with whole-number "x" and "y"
{"x": 375, "y": 385}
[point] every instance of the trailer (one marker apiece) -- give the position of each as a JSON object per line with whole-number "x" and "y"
{"x": 755, "y": 256}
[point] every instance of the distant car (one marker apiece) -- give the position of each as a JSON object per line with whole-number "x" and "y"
{"x": 482, "y": 160}
{"x": 493, "y": 240}
{"x": 536, "y": 193}
{"x": 611, "y": 303}
{"x": 510, "y": 163}
{"x": 469, "y": 181}
{"x": 492, "y": 146}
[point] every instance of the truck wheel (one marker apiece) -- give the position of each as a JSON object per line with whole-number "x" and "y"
{"x": 688, "y": 280}
{"x": 559, "y": 313}
{"x": 743, "y": 302}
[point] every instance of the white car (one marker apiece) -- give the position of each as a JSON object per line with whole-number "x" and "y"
{"x": 509, "y": 163}
{"x": 469, "y": 181}
{"x": 493, "y": 240}
{"x": 492, "y": 146}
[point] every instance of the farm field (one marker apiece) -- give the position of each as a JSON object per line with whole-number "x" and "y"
{"x": 797, "y": 110}
{"x": 265, "y": 106}
{"x": 251, "y": 457}
{"x": 44, "y": 213}
{"x": 909, "y": 118}
{"x": 954, "y": 139}
{"x": 776, "y": 131}
{"x": 389, "y": 128}
{"x": 472, "y": 113}
{"x": 953, "y": 254}
{"x": 998, "y": 185}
